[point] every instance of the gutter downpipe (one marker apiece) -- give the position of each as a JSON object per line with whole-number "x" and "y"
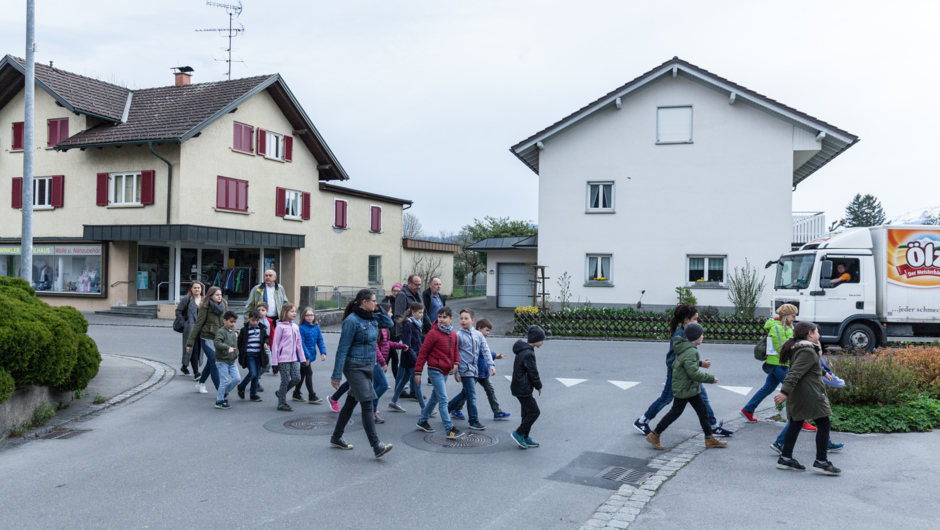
{"x": 169, "y": 179}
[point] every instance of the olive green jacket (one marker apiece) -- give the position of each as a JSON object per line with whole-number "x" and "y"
{"x": 686, "y": 375}
{"x": 224, "y": 339}
{"x": 206, "y": 326}
{"x": 803, "y": 386}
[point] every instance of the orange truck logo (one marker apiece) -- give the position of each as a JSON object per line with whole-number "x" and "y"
{"x": 914, "y": 258}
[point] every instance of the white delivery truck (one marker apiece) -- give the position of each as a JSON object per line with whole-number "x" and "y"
{"x": 866, "y": 286}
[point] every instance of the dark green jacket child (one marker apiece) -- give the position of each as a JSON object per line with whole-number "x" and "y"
{"x": 686, "y": 375}
{"x": 224, "y": 339}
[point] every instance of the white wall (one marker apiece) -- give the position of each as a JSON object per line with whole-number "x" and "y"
{"x": 727, "y": 193}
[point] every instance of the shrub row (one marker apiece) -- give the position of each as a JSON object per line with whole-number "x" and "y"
{"x": 886, "y": 377}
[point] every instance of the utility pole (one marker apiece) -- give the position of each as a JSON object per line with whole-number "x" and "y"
{"x": 26, "y": 245}
{"x": 233, "y": 12}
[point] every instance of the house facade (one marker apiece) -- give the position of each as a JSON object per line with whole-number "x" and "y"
{"x": 673, "y": 180}
{"x": 138, "y": 193}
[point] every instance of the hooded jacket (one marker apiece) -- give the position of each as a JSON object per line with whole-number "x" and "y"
{"x": 439, "y": 351}
{"x": 224, "y": 339}
{"x": 207, "y": 324}
{"x": 686, "y": 376}
{"x": 525, "y": 372}
{"x": 778, "y": 334}
{"x": 287, "y": 347}
{"x": 312, "y": 338}
{"x": 383, "y": 345}
{"x": 803, "y": 385}
{"x": 473, "y": 349}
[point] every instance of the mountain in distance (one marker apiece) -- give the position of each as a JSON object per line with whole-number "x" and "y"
{"x": 917, "y": 217}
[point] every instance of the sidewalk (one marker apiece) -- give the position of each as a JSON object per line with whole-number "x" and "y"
{"x": 116, "y": 375}
{"x": 112, "y": 320}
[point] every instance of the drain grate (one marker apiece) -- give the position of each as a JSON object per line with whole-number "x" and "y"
{"x": 62, "y": 435}
{"x": 623, "y": 474}
{"x": 309, "y": 423}
{"x": 470, "y": 440}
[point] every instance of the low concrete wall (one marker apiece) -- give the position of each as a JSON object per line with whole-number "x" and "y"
{"x": 166, "y": 311}
{"x": 21, "y": 405}
{"x": 329, "y": 318}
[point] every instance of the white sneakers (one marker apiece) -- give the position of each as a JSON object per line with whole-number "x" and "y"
{"x": 201, "y": 388}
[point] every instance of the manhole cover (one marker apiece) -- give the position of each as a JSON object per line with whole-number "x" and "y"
{"x": 62, "y": 435}
{"x": 471, "y": 443}
{"x": 315, "y": 425}
{"x": 622, "y": 474}
{"x": 470, "y": 440}
{"x": 313, "y": 422}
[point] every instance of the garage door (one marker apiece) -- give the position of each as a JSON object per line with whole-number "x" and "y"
{"x": 513, "y": 288}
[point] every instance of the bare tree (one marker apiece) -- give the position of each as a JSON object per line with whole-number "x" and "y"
{"x": 411, "y": 226}
{"x": 427, "y": 266}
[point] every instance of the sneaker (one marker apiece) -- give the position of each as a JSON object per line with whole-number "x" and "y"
{"x": 298, "y": 397}
{"x": 789, "y": 465}
{"x": 520, "y": 440}
{"x": 378, "y": 419}
{"x": 807, "y": 427}
{"x": 201, "y": 388}
{"x": 260, "y": 388}
{"x": 644, "y": 428}
{"x": 285, "y": 407}
{"x": 395, "y": 407}
{"x": 749, "y": 416}
{"x": 255, "y": 398}
{"x": 241, "y": 393}
{"x": 220, "y": 405}
{"x": 718, "y": 430}
{"x": 334, "y": 405}
{"x": 453, "y": 433}
{"x": 826, "y": 468}
{"x": 477, "y": 426}
{"x": 425, "y": 426}
{"x": 314, "y": 400}
{"x": 530, "y": 442}
{"x": 777, "y": 447}
{"x": 196, "y": 376}
{"x": 381, "y": 448}
{"x": 184, "y": 370}
{"x": 457, "y": 415}
{"x": 226, "y": 403}
{"x": 501, "y": 416}
{"x": 412, "y": 396}
{"x": 834, "y": 448}
{"x": 340, "y": 443}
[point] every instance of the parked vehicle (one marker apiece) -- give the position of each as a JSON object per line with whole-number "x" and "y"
{"x": 866, "y": 286}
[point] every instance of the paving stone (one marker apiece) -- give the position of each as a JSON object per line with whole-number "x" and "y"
{"x": 618, "y": 524}
{"x": 603, "y": 516}
{"x": 596, "y": 523}
{"x": 634, "y": 504}
{"x": 606, "y": 508}
{"x": 628, "y": 511}
{"x": 626, "y": 490}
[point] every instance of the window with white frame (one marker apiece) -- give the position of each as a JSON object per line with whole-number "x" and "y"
{"x": 599, "y": 269}
{"x": 292, "y": 204}
{"x": 274, "y": 145}
{"x": 600, "y": 196}
{"x": 125, "y": 188}
{"x": 42, "y": 192}
{"x": 674, "y": 125}
{"x": 375, "y": 269}
{"x": 706, "y": 269}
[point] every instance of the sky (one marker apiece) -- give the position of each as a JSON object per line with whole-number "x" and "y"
{"x": 422, "y": 99}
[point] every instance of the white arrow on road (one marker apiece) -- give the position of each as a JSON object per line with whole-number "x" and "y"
{"x": 509, "y": 377}
{"x": 624, "y": 384}
{"x": 570, "y": 382}
{"x": 743, "y": 390}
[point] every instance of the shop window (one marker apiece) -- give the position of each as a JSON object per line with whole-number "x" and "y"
{"x": 706, "y": 270}
{"x": 61, "y": 268}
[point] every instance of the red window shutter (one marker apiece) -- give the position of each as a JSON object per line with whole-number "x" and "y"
{"x": 17, "y": 192}
{"x": 345, "y": 207}
{"x": 280, "y": 205}
{"x": 58, "y": 187}
{"x": 306, "y": 206}
{"x": 52, "y": 132}
{"x": 376, "y": 218}
{"x": 247, "y": 135}
{"x": 17, "y": 136}
{"x": 262, "y": 140}
{"x": 220, "y": 192}
{"x": 238, "y": 137}
{"x": 288, "y": 148}
{"x": 101, "y": 197}
{"x": 146, "y": 186}
{"x": 339, "y": 214}
{"x": 241, "y": 189}
{"x": 63, "y": 130}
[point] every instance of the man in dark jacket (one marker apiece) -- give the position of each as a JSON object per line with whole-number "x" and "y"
{"x": 525, "y": 379}
{"x": 433, "y": 300}
{"x": 411, "y": 294}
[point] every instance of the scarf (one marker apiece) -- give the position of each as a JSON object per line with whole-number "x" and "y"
{"x": 446, "y": 330}
{"x": 416, "y": 322}
{"x": 218, "y": 309}
{"x": 363, "y": 314}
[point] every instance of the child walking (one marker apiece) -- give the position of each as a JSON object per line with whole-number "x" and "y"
{"x": 311, "y": 338}
{"x": 411, "y": 336}
{"x": 525, "y": 379}
{"x": 383, "y": 348}
{"x": 287, "y": 354}
{"x": 252, "y": 341}
{"x": 484, "y": 371}
{"x": 441, "y": 354}
{"x": 686, "y": 387}
{"x": 226, "y": 353}
{"x": 268, "y": 324}
{"x": 475, "y": 360}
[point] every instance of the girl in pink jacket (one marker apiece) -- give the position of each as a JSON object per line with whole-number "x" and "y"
{"x": 287, "y": 353}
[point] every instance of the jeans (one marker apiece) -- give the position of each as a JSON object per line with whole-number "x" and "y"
{"x": 460, "y": 399}
{"x": 405, "y": 375}
{"x": 530, "y": 413}
{"x": 775, "y": 376}
{"x": 822, "y": 437}
{"x": 368, "y": 419}
{"x": 678, "y": 406}
{"x": 254, "y": 371}
{"x": 228, "y": 373}
{"x": 290, "y": 377}
{"x": 379, "y": 384}
{"x": 666, "y": 398}
{"x": 210, "y": 369}
{"x": 438, "y": 397}
{"x": 468, "y": 395}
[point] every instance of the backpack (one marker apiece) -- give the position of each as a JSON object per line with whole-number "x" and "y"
{"x": 763, "y": 345}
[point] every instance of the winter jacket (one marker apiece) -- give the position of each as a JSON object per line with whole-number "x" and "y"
{"x": 686, "y": 376}
{"x": 206, "y": 326}
{"x": 258, "y": 295}
{"x": 187, "y": 311}
{"x": 803, "y": 386}
{"x": 428, "y": 317}
{"x": 525, "y": 372}
{"x": 472, "y": 348}
{"x": 224, "y": 339}
{"x": 778, "y": 334}
{"x": 439, "y": 351}
{"x": 287, "y": 347}
{"x": 312, "y": 338}
{"x": 484, "y": 365}
{"x": 671, "y": 355}
{"x": 411, "y": 335}
{"x": 383, "y": 345}
{"x": 243, "y": 345}
{"x": 404, "y": 299}
{"x": 357, "y": 340}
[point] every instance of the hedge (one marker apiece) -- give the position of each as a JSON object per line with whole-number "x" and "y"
{"x": 42, "y": 345}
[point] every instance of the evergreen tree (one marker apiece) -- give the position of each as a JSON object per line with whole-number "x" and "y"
{"x": 864, "y": 211}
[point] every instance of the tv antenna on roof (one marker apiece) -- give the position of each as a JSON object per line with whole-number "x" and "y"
{"x": 233, "y": 12}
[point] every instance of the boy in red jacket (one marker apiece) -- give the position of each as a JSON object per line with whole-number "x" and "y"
{"x": 440, "y": 353}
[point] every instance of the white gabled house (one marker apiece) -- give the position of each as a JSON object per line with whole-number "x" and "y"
{"x": 673, "y": 179}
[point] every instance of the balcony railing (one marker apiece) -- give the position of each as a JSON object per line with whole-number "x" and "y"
{"x": 808, "y": 226}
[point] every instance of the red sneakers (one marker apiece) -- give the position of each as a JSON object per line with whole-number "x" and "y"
{"x": 749, "y": 416}
{"x": 807, "y": 427}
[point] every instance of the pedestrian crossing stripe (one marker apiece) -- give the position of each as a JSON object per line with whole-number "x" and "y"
{"x": 624, "y": 384}
{"x": 508, "y": 378}
{"x": 743, "y": 390}
{"x": 570, "y": 382}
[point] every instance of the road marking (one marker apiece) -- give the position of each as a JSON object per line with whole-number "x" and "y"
{"x": 509, "y": 377}
{"x": 743, "y": 390}
{"x": 570, "y": 382}
{"x": 624, "y": 384}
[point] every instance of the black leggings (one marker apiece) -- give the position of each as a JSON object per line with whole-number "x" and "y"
{"x": 196, "y": 352}
{"x": 678, "y": 405}
{"x": 368, "y": 419}
{"x": 823, "y": 426}
{"x": 306, "y": 376}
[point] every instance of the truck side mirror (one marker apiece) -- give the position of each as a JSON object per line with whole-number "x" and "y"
{"x": 769, "y": 263}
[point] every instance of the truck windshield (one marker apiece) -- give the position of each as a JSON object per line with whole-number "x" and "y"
{"x": 794, "y": 272}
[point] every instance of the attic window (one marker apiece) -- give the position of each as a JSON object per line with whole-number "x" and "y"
{"x": 674, "y": 125}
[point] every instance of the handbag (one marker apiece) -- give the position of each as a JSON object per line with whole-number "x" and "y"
{"x": 765, "y": 345}
{"x": 178, "y": 322}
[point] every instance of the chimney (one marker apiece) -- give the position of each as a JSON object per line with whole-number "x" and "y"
{"x": 182, "y": 75}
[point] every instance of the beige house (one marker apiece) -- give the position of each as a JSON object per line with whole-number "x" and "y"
{"x": 139, "y": 192}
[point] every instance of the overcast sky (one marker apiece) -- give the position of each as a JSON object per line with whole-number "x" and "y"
{"x": 422, "y": 99}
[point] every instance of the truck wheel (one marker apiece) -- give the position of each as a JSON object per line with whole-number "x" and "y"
{"x": 858, "y": 338}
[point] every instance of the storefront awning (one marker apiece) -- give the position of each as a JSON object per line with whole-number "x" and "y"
{"x": 191, "y": 234}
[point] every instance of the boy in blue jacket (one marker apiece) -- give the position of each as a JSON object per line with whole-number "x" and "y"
{"x": 310, "y": 338}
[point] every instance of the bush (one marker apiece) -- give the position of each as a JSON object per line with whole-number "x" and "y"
{"x": 873, "y": 380}
{"x": 7, "y": 386}
{"x": 920, "y": 414}
{"x": 86, "y": 366}
{"x": 924, "y": 360}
